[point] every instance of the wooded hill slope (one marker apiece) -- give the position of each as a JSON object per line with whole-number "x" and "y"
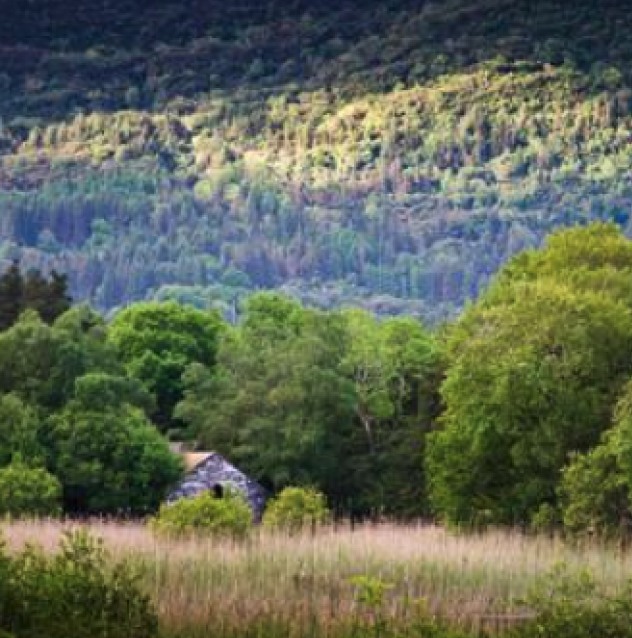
{"x": 390, "y": 154}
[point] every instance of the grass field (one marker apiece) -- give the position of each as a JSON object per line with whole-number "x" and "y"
{"x": 221, "y": 588}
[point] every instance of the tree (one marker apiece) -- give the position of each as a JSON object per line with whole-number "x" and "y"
{"x": 157, "y": 341}
{"x": 11, "y": 291}
{"x": 110, "y": 460}
{"x": 28, "y": 491}
{"x": 19, "y": 431}
{"x": 69, "y": 403}
{"x": 277, "y": 404}
{"x": 49, "y": 298}
{"x": 56, "y": 300}
{"x": 336, "y": 400}
{"x": 40, "y": 363}
{"x": 35, "y": 293}
{"x": 395, "y": 367}
{"x": 596, "y": 487}
{"x": 534, "y": 370}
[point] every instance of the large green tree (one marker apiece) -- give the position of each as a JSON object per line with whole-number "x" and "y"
{"x": 106, "y": 453}
{"x": 337, "y": 400}
{"x": 157, "y": 341}
{"x": 40, "y": 363}
{"x": 278, "y": 403}
{"x": 535, "y": 368}
{"x": 67, "y": 404}
{"x": 395, "y": 367}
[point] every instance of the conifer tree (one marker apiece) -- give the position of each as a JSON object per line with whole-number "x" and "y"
{"x": 48, "y": 297}
{"x": 11, "y": 293}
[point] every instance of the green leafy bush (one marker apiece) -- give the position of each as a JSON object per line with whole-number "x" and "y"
{"x": 205, "y": 514}
{"x": 76, "y": 593}
{"x": 26, "y": 491}
{"x": 295, "y": 508}
{"x": 573, "y": 606}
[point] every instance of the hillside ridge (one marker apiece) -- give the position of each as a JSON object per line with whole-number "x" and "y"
{"x": 392, "y": 158}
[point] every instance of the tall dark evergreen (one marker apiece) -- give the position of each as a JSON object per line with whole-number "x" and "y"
{"x": 11, "y": 295}
{"x": 56, "y": 297}
{"x": 19, "y": 292}
{"x": 35, "y": 294}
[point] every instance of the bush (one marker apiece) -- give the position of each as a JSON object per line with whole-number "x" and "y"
{"x": 28, "y": 491}
{"x": 205, "y": 514}
{"x": 76, "y": 593}
{"x": 295, "y": 508}
{"x": 573, "y": 606}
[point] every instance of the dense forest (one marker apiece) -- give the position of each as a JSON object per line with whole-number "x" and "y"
{"x": 517, "y": 413}
{"x": 391, "y": 158}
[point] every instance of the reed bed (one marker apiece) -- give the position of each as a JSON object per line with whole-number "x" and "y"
{"x": 477, "y": 581}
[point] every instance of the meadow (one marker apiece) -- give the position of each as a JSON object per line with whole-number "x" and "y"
{"x": 327, "y": 582}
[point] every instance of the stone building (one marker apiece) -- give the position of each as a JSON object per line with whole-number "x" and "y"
{"x": 210, "y": 471}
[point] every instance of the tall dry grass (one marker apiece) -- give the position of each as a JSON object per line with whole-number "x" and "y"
{"x": 218, "y": 586}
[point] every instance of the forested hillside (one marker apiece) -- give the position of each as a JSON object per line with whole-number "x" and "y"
{"x": 391, "y": 155}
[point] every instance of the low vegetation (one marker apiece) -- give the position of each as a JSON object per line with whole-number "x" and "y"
{"x": 295, "y": 509}
{"x": 29, "y": 492}
{"x": 374, "y": 580}
{"x": 75, "y": 592}
{"x": 205, "y": 515}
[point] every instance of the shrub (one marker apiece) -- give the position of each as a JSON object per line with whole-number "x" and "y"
{"x": 205, "y": 514}
{"x": 26, "y": 491}
{"x": 76, "y": 593}
{"x": 295, "y": 508}
{"x": 573, "y": 606}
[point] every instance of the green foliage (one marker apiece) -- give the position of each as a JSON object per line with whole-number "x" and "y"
{"x": 67, "y": 404}
{"x": 370, "y": 591}
{"x": 40, "y": 363}
{"x": 205, "y": 514}
{"x": 110, "y": 460}
{"x": 372, "y": 618}
{"x": 18, "y": 292}
{"x": 572, "y": 606}
{"x": 157, "y": 341}
{"x": 596, "y": 487}
{"x": 535, "y": 368}
{"x": 28, "y": 492}
{"x": 335, "y": 400}
{"x": 407, "y": 155}
{"x": 395, "y": 366}
{"x": 296, "y": 508}
{"x": 76, "y": 593}
{"x": 19, "y": 431}
{"x": 277, "y": 405}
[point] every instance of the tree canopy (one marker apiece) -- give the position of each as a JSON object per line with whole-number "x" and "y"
{"x": 535, "y": 368}
{"x": 68, "y": 409}
{"x": 157, "y": 341}
{"x": 337, "y": 400}
{"x": 18, "y": 292}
